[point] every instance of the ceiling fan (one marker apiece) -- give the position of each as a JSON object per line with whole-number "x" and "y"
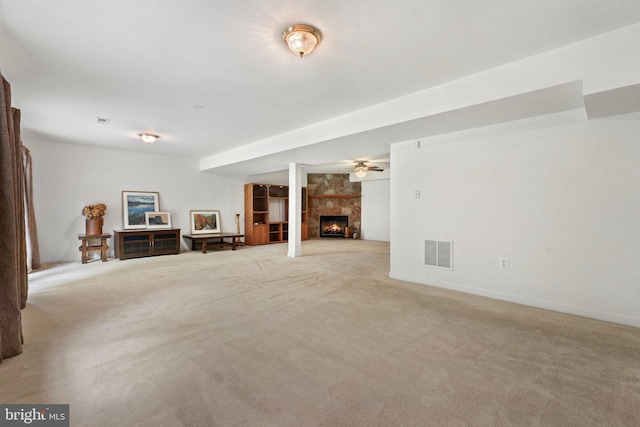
{"x": 361, "y": 169}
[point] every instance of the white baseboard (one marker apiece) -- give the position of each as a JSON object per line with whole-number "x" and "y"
{"x": 533, "y": 302}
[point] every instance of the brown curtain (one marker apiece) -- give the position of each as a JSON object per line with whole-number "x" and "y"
{"x": 13, "y": 266}
{"x": 33, "y": 250}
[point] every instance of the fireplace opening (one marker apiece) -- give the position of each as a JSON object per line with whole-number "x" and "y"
{"x": 333, "y": 225}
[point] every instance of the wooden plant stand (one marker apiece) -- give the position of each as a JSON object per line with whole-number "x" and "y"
{"x": 85, "y": 248}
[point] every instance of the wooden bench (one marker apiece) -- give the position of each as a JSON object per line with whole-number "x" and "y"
{"x": 216, "y": 237}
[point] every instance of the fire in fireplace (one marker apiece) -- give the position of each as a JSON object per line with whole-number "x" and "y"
{"x": 333, "y": 225}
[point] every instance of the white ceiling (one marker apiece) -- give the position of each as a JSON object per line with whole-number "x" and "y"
{"x": 210, "y": 76}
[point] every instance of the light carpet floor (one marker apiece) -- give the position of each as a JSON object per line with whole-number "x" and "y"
{"x": 254, "y": 338}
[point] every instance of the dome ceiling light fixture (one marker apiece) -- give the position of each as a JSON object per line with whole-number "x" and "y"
{"x": 148, "y": 138}
{"x": 301, "y": 38}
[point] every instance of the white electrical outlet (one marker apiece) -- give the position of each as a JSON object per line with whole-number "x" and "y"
{"x": 416, "y": 194}
{"x": 503, "y": 262}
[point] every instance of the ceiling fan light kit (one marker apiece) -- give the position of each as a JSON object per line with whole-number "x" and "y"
{"x": 361, "y": 169}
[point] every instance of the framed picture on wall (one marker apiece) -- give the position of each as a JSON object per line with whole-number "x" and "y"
{"x": 134, "y": 206}
{"x": 205, "y": 222}
{"x": 158, "y": 219}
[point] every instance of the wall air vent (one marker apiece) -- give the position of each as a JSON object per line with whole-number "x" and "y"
{"x": 438, "y": 254}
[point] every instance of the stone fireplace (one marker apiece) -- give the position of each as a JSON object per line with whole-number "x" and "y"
{"x": 333, "y": 195}
{"x": 333, "y": 225}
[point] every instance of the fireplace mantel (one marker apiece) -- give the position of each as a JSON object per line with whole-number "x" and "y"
{"x": 334, "y": 196}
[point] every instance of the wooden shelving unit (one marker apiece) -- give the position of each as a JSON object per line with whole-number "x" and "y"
{"x": 266, "y": 213}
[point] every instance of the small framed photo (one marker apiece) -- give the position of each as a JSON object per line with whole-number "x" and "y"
{"x": 205, "y": 222}
{"x": 134, "y": 206}
{"x": 158, "y": 219}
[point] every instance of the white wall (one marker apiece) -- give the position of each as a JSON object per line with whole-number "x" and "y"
{"x": 375, "y": 210}
{"x": 67, "y": 177}
{"x": 558, "y": 195}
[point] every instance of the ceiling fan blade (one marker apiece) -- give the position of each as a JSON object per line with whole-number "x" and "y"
{"x": 361, "y": 166}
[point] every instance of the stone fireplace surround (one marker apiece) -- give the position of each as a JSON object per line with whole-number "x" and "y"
{"x": 333, "y": 194}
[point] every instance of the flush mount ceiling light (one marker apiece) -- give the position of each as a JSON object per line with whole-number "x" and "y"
{"x": 148, "y": 138}
{"x": 301, "y": 38}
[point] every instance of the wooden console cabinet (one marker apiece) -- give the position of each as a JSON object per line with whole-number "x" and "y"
{"x": 266, "y": 214}
{"x": 141, "y": 243}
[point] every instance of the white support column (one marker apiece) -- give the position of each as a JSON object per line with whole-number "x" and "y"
{"x": 295, "y": 210}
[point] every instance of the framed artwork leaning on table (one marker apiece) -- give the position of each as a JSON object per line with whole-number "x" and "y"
{"x": 205, "y": 222}
{"x": 158, "y": 219}
{"x": 134, "y": 206}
